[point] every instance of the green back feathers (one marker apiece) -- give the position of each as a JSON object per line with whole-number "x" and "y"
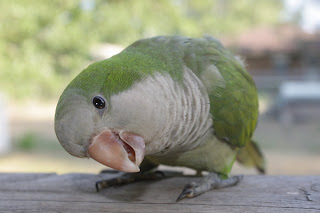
{"x": 234, "y": 104}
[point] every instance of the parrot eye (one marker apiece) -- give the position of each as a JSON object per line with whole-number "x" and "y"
{"x": 98, "y": 102}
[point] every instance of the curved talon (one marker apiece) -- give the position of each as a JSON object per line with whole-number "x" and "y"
{"x": 181, "y": 196}
{"x": 101, "y": 185}
{"x": 186, "y": 193}
{"x": 97, "y": 186}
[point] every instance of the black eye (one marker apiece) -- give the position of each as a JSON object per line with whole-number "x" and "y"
{"x": 99, "y": 102}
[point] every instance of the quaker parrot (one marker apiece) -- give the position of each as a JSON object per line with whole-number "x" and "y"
{"x": 167, "y": 100}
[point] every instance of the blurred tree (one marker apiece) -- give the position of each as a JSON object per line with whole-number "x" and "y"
{"x": 46, "y": 43}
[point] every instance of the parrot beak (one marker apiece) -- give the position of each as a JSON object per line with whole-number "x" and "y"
{"x": 120, "y": 150}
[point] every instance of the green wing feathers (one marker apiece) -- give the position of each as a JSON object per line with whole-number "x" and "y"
{"x": 235, "y": 109}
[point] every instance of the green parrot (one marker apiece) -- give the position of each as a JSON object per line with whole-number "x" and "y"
{"x": 167, "y": 100}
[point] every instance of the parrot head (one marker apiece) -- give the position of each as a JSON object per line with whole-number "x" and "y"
{"x": 96, "y": 118}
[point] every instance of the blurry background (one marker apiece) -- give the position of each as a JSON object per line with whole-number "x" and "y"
{"x": 44, "y": 44}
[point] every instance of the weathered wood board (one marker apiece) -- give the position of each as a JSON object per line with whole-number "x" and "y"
{"x": 76, "y": 193}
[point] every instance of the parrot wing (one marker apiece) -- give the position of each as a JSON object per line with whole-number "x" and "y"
{"x": 232, "y": 92}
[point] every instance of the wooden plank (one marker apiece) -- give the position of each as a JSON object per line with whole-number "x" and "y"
{"x": 76, "y": 193}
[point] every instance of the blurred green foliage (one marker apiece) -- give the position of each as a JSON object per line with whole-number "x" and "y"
{"x": 46, "y": 43}
{"x": 27, "y": 141}
{"x": 33, "y": 141}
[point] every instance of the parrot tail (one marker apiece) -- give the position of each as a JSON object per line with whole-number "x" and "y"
{"x": 251, "y": 156}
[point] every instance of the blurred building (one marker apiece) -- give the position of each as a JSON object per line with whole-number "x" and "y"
{"x": 284, "y": 62}
{"x": 277, "y": 54}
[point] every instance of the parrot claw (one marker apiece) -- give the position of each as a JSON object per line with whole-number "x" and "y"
{"x": 189, "y": 191}
{"x": 135, "y": 177}
{"x": 186, "y": 193}
{"x": 97, "y": 186}
{"x": 212, "y": 181}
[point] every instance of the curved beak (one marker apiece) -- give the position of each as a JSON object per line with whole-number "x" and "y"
{"x": 123, "y": 151}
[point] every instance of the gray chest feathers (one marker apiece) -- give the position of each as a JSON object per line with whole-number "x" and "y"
{"x": 186, "y": 114}
{"x": 171, "y": 116}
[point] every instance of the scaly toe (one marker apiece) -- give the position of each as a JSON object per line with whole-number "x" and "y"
{"x": 98, "y": 186}
{"x": 191, "y": 185}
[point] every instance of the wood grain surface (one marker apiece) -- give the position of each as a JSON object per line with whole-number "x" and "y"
{"x": 49, "y": 192}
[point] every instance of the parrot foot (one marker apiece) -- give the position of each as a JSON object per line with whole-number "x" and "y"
{"x": 211, "y": 181}
{"x": 128, "y": 178}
